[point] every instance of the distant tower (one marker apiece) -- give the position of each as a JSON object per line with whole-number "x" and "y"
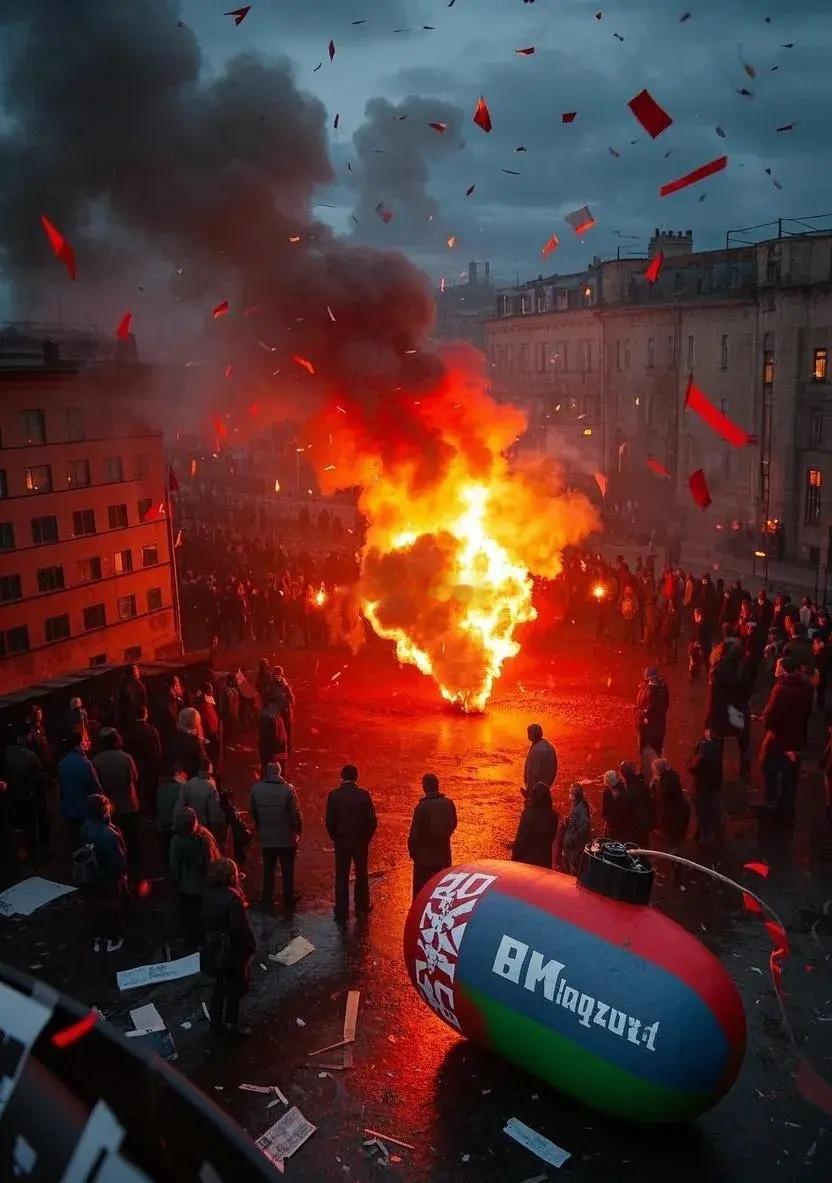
{"x": 472, "y": 274}
{"x": 670, "y": 243}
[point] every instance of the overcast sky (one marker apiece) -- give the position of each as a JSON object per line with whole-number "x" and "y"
{"x": 693, "y": 68}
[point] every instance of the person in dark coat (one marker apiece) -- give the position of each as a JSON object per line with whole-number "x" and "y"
{"x": 429, "y": 840}
{"x": 166, "y": 716}
{"x": 168, "y": 792}
{"x": 278, "y": 820}
{"x": 785, "y": 720}
{"x": 652, "y": 705}
{"x": 26, "y": 792}
{"x": 705, "y": 767}
{"x": 107, "y": 894}
{"x": 727, "y": 712}
{"x": 541, "y": 760}
{"x": 132, "y": 694}
{"x": 119, "y": 781}
{"x": 77, "y": 780}
{"x": 616, "y": 809}
{"x": 670, "y": 630}
{"x": 229, "y": 708}
{"x": 77, "y": 719}
{"x": 642, "y": 813}
{"x": 536, "y": 829}
{"x": 672, "y": 810}
{"x": 351, "y": 823}
{"x": 192, "y": 850}
{"x": 764, "y": 612}
{"x": 187, "y": 746}
{"x": 142, "y": 742}
{"x": 224, "y": 910}
{"x": 281, "y": 693}
{"x": 272, "y": 737}
{"x": 575, "y": 832}
{"x": 798, "y": 647}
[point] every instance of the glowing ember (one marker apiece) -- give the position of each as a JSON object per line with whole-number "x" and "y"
{"x": 599, "y": 591}
{"x": 320, "y": 597}
{"x": 276, "y": 485}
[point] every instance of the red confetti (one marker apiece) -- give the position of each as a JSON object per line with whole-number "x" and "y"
{"x": 220, "y": 429}
{"x": 331, "y": 50}
{"x": 653, "y": 118}
{"x": 440, "y": 127}
{"x": 778, "y": 937}
{"x": 482, "y": 116}
{"x": 69, "y": 1035}
{"x": 732, "y": 433}
{"x": 60, "y": 246}
{"x": 228, "y": 371}
{"x": 549, "y": 247}
{"x": 239, "y": 14}
{"x": 220, "y": 310}
{"x": 384, "y": 213}
{"x": 123, "y": 327}
{"x": 568, "y": 116}
{"x": 654, "y": 268}
{"x": 699, "y": 489}
{"x": 698, "y": 174}
{"x": 581, "y": 219}
{"x": 470, "y": 190}
{"x": 527, "y": 52}
{"x": 813, "y": 1088}
{"x": 301, "y": 361}
{"x": 143, "y": 887}
{"x": 761, "y": 869}
{"x": 751, "y": 904}
{"x": 657, "y": 467}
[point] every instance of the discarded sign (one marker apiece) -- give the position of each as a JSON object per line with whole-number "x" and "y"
{"x": 287, "y": 1135}
{"x": 147, "y": 1018}
{"x": 295, "y": 951}
{"x": 536, "y": 1142}
{"x": 25, "y": 898}
{"x": 143, "y": 975}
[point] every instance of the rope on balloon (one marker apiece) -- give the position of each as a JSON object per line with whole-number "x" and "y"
{"x": 808, "y": 1081}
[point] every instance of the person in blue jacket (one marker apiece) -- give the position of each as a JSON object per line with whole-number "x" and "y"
{"x": 106, "y": 886}
{"x": 77, "y": 780}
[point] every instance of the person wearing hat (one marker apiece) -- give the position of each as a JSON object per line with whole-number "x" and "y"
{"x": 652, "y": 705}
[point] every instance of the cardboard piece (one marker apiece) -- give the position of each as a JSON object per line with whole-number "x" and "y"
{"x": 295, "y": 951}
{"x": 536, "y": 1142}
{"x": 166, "y": 971}
{"x": 25, "y": 898}
{"x": 147, "y": 1018}
{"x": 287, "y": 1135}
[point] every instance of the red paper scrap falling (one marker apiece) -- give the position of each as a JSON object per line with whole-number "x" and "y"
{"x": 654, "y": 267}
{"x": 384, "y": 213}
{"x": 60, "y": 246}
{"x": 568, "y": 117}
{"x": 653, "y": 118}
{"x": 751, "y": 904}
{"x": 698, "y": 174}
{"x": 684, "y": 17}
{"x": 239, "y": 14}
{"x": 331, "y": 50}
{"x": 301, "y": 361}
{"x": 778, "y": 936}
{"x": 482, "y": 116}
{"x": 657, "y": 467}
{"x": 527, "y": 52}
{"x": 701, "y": 405}
{"x": 601, "y": 482}
{"x": 581, "y": 219}
{"x": 173, "y": 483}
{"x": 761, "y": 869}
{"x": 220, "y": 429}
{"x": 75, "y": 1031}
{"x": 452, "y": 241}
{"x": 440, "y": 127}
{"x": 220, "y": 310}
{"x": 155, "y": 513}
{"x": 699, "y": 489}
{"x": 720, "y": 133}
{"x": 470, "y": 190}
{"x": 123, "y": 328}
{"x": 228, "y": 371}
{"x": 549, "y": 247}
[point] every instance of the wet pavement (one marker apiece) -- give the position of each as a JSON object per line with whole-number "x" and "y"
{"x": 412, "y": 1077}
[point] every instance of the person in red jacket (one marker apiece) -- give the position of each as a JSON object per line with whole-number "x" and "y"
{"x": 785, "y": 719}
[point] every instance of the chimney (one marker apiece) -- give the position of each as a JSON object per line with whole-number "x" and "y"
{"x": 472, "y": 274}
{"x": 51, "y": 354}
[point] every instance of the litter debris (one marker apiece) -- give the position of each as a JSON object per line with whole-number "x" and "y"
{"x": 186, "y": 1026}
{"x": 536, "y": 1142}
{"x": 205, "y": 1011}
{"x": 143, "y": 975}
{"x": 350, "y": 1021}
{"x": 295, "y": 951}
{"x": 388, "y": 1138}
{"x": 286, "y": 1136}
{"x": 159, "y": 1042}
{"x": 25, "y": 898}
{"x": 147, "y": 1018}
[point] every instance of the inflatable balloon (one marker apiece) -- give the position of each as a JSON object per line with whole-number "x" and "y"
{"x": 609, "y": 1001}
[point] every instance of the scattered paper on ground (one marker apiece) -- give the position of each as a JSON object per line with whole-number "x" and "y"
{"x": 286, "y": 1136}
{"x": 535, "y": 1142}
{"x": 295, "y": 951}
{"x": 25, "y": 898}
{"x": 147, "y": 1018}
{"x": 166, "y": 971}
{"x": 350, "y": 1021}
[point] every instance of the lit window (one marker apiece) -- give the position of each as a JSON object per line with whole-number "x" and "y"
{"x": 78, "y": 474}
{"x": 126, "y": 607}
{"x": 814, "y": 484}
{"x": 819, "y": 365}
{"x": 122, "y": 562}
{"x": 34, "y": 427}
{"x": 39, "y": 479}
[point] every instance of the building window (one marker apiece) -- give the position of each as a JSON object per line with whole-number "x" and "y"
{"x": 768, "y": 367}
{"x": 39, "y": 479}
{"x": 671, "y": 351}
{"x": 145, "y": 503}
{"x": 651, "y": 352}
{"x": 819, "y": 364}
{"x": 618, "y": 355}
{"x": 154, "y": 599}
{"x": 564, "y": 355}
{"x": 122, "y": 562}
{"x": 723, "y": 352}
{"x": 44, "y": 530}
{"x": 56, "y": 628}
{"x": 133, "y": 653}
{"x": 117, "y": 516}
{"x": 588, "y": 357}
{"x": 141, "y": 466}
{"x": 114, "y": 469}
{"x": 75, "y": 424}
{"x": 540, "y": 357}
{"x": 50, "y": 579}
{"x": 10, "y": 588}
{"x": 816, "y": 428}
{"x": 78, "y": 474}
{"x": 34, "y": 427}
{"x": 6, "y": 536}
{"x": 814, "y": 484}
{"x": 94, "y": 617}
{"x": 4, "y": 486}
{"x": 17, "y": 639}
{"x": 150, "y": 556}
{"x": 126, "y": 607}
{"x": 773, "y": 265}
{"x": 627, "y": 353}
{"x": 690, "y": 352}
{"x": 89, "y": 570}
{"x": 99, "y": 659}
{"x": 83, "y": 522}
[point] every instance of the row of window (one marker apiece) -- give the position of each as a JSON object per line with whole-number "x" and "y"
{"x": 57, "y": 628}
{"x": 51, "y": 579}
{"x": 33, "y": 426}
{"x": 38, "y": 478}
{"x": 45, "y": 529}
{"x": 623, "y": 355}
{"x": 557, "y": 354}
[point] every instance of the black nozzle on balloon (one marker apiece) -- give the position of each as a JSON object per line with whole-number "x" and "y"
{"x": 610, "y": 869}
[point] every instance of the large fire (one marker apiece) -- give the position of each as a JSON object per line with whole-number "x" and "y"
{"x": 454, "y": 530}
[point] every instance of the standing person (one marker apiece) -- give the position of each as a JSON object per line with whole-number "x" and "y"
{"x": 727, "y": 711}
{"x": 670, "y": 630}
{"x": 351, "y": 823}
{"x": 536, "y": 829}
{"x": 278, "y": 820}
{"x": 132, "y": 694}
{"x": 672, "y": 810}
{"x": 142, "y": 742}
{"x": 652, "y": 705}
{"x": 167, "y": 716}
{"x": 272, "y": 737}
{"x": 541, "y": 760}
{"x": 640, "y": 803}
{"x": 228, "y": 947}
{"x": 187, "y": 747}
{"x": 229, "y": 708}
{"x": 576, "y": 830}
{"x": 282, "y": 694}
{"x": 77, "y": 719}
{"x": 431, "y": 827}
{"x": 615, "y": 809}
{"x": 699, "y": 649}
{"x": 630, "y": 612}
{"x": 206, "y": 704}
{"x": 167, "y": 798}
{"x": 104, "y": 874}
{"x": 822, "y": 654}
{"x": 119, "y": 779}
{"x": 199, "y": 793}
{"x": 785, "y": 719}
{"x": 26, "y": 792}
{"x": 192, "y": 850}
{"x": 705, "y": 767}
{"x": 77, "y": 780}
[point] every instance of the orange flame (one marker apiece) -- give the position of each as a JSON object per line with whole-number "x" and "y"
{"x": 320, "y": 597}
